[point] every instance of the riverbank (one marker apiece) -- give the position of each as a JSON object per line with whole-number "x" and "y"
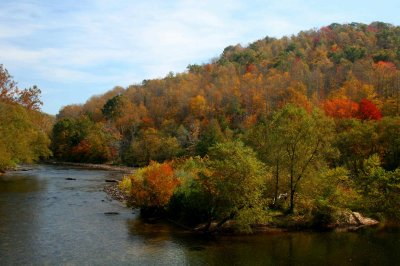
{"x": 347, "y": 220}
{"x": 114, "y": 192}
{"x": 344, "y": 221}
{"x": 109, "y": 167}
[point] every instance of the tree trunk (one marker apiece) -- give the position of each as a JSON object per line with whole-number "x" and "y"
{"x": 276, "y": 184}
{"x": 223, "y": 221}
{"x": 292, "y": 190}
{"x": 291, "y": 209}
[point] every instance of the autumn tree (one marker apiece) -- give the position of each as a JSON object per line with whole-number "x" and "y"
{"x": 198, "y": 106}
{"x": 150, "y": 188}
{"x": 368, "y": 111}
{"x": 10, "y": 93}
{"x": 70, "y": 111}
{"x": 384, "y": 77}
{"x": 30, "y": 98}
{"x": 8, "y": 87}
{"x": 151, "y": 145}
{"x": 81, "y": 140}
{"x": 341, "y": 108}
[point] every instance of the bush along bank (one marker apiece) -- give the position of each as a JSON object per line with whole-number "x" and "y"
{"x": 230, "y": 190}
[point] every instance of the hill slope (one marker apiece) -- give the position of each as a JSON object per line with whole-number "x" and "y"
{"x": 334, "y": 68}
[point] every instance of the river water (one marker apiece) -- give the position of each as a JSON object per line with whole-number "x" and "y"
{"x": 48, "y": 220}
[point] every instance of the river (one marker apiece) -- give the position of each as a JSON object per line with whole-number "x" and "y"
{"x": 48, "y": 220}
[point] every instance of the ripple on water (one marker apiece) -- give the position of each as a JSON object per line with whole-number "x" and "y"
{"x": 45, "y": 219}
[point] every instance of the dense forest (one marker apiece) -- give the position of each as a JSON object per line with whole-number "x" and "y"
{"x": 307, "y": 124}
{"x": 24, "y": 130}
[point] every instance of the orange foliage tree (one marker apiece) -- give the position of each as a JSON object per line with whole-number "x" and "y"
{"x": 341, "y": 108}
{"x": 153, "y": 186}
{"x": 346, "y": 108}
{"x": 10, "y": 93}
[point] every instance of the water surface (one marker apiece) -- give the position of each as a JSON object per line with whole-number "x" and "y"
{"x": 48, "y": 220}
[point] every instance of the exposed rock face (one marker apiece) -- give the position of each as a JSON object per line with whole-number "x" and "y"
{"x": 351, "y": 220}
{"x": 361, "y": 220}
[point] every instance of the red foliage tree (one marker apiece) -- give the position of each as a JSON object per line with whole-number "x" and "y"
{"x": 368, "y": 111}
{"x": 385, "y": 66}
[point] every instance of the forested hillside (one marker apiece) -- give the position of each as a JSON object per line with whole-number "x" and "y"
{"x": 349, "y": 71}
{"x": 313, "y": 118}
{"x": 24, "y": 130}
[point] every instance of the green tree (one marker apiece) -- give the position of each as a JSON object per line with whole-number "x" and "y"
{"x": 210, "y": 135}
{"x": 306, "y": 139}
{"x": 113, "y": 108}
{"x": 356, "y": 141}
{"x": 230, "y": 185}
{"x": 266, "y": 141}
{"x": 151, "y": 145}
{"x": 21, "y": 139}
{"x": 380, "y": 188}
{"x": 388, "y": 130}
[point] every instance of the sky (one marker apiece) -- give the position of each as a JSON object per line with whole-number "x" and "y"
{"x": 73, "y": 50}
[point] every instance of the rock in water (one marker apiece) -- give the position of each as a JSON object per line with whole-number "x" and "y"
{"x": 361, "y": 220}
{"x": 111, "y": 181}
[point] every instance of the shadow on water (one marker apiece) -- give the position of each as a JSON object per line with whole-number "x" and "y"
{"x": 20, "y": 184}
{"x": 21, "y": 198}
{"x": 366, "y": 247}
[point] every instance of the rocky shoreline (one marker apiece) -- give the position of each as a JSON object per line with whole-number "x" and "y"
{"x": 108, "y": 167}
{"x": 114, "y": 192}
{"x": 111, "y": 187}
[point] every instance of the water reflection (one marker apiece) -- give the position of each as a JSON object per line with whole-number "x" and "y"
{"x": 46, "y": 219}
{"x": 20, "y": 184}
{"x": 21, "y": 200}
{"x": 367, "y": 247}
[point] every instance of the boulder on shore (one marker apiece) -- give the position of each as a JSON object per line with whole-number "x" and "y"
{"x": 347, "y": 219}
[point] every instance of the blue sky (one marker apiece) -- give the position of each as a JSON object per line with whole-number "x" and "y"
{"x": 73, "y": 50}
